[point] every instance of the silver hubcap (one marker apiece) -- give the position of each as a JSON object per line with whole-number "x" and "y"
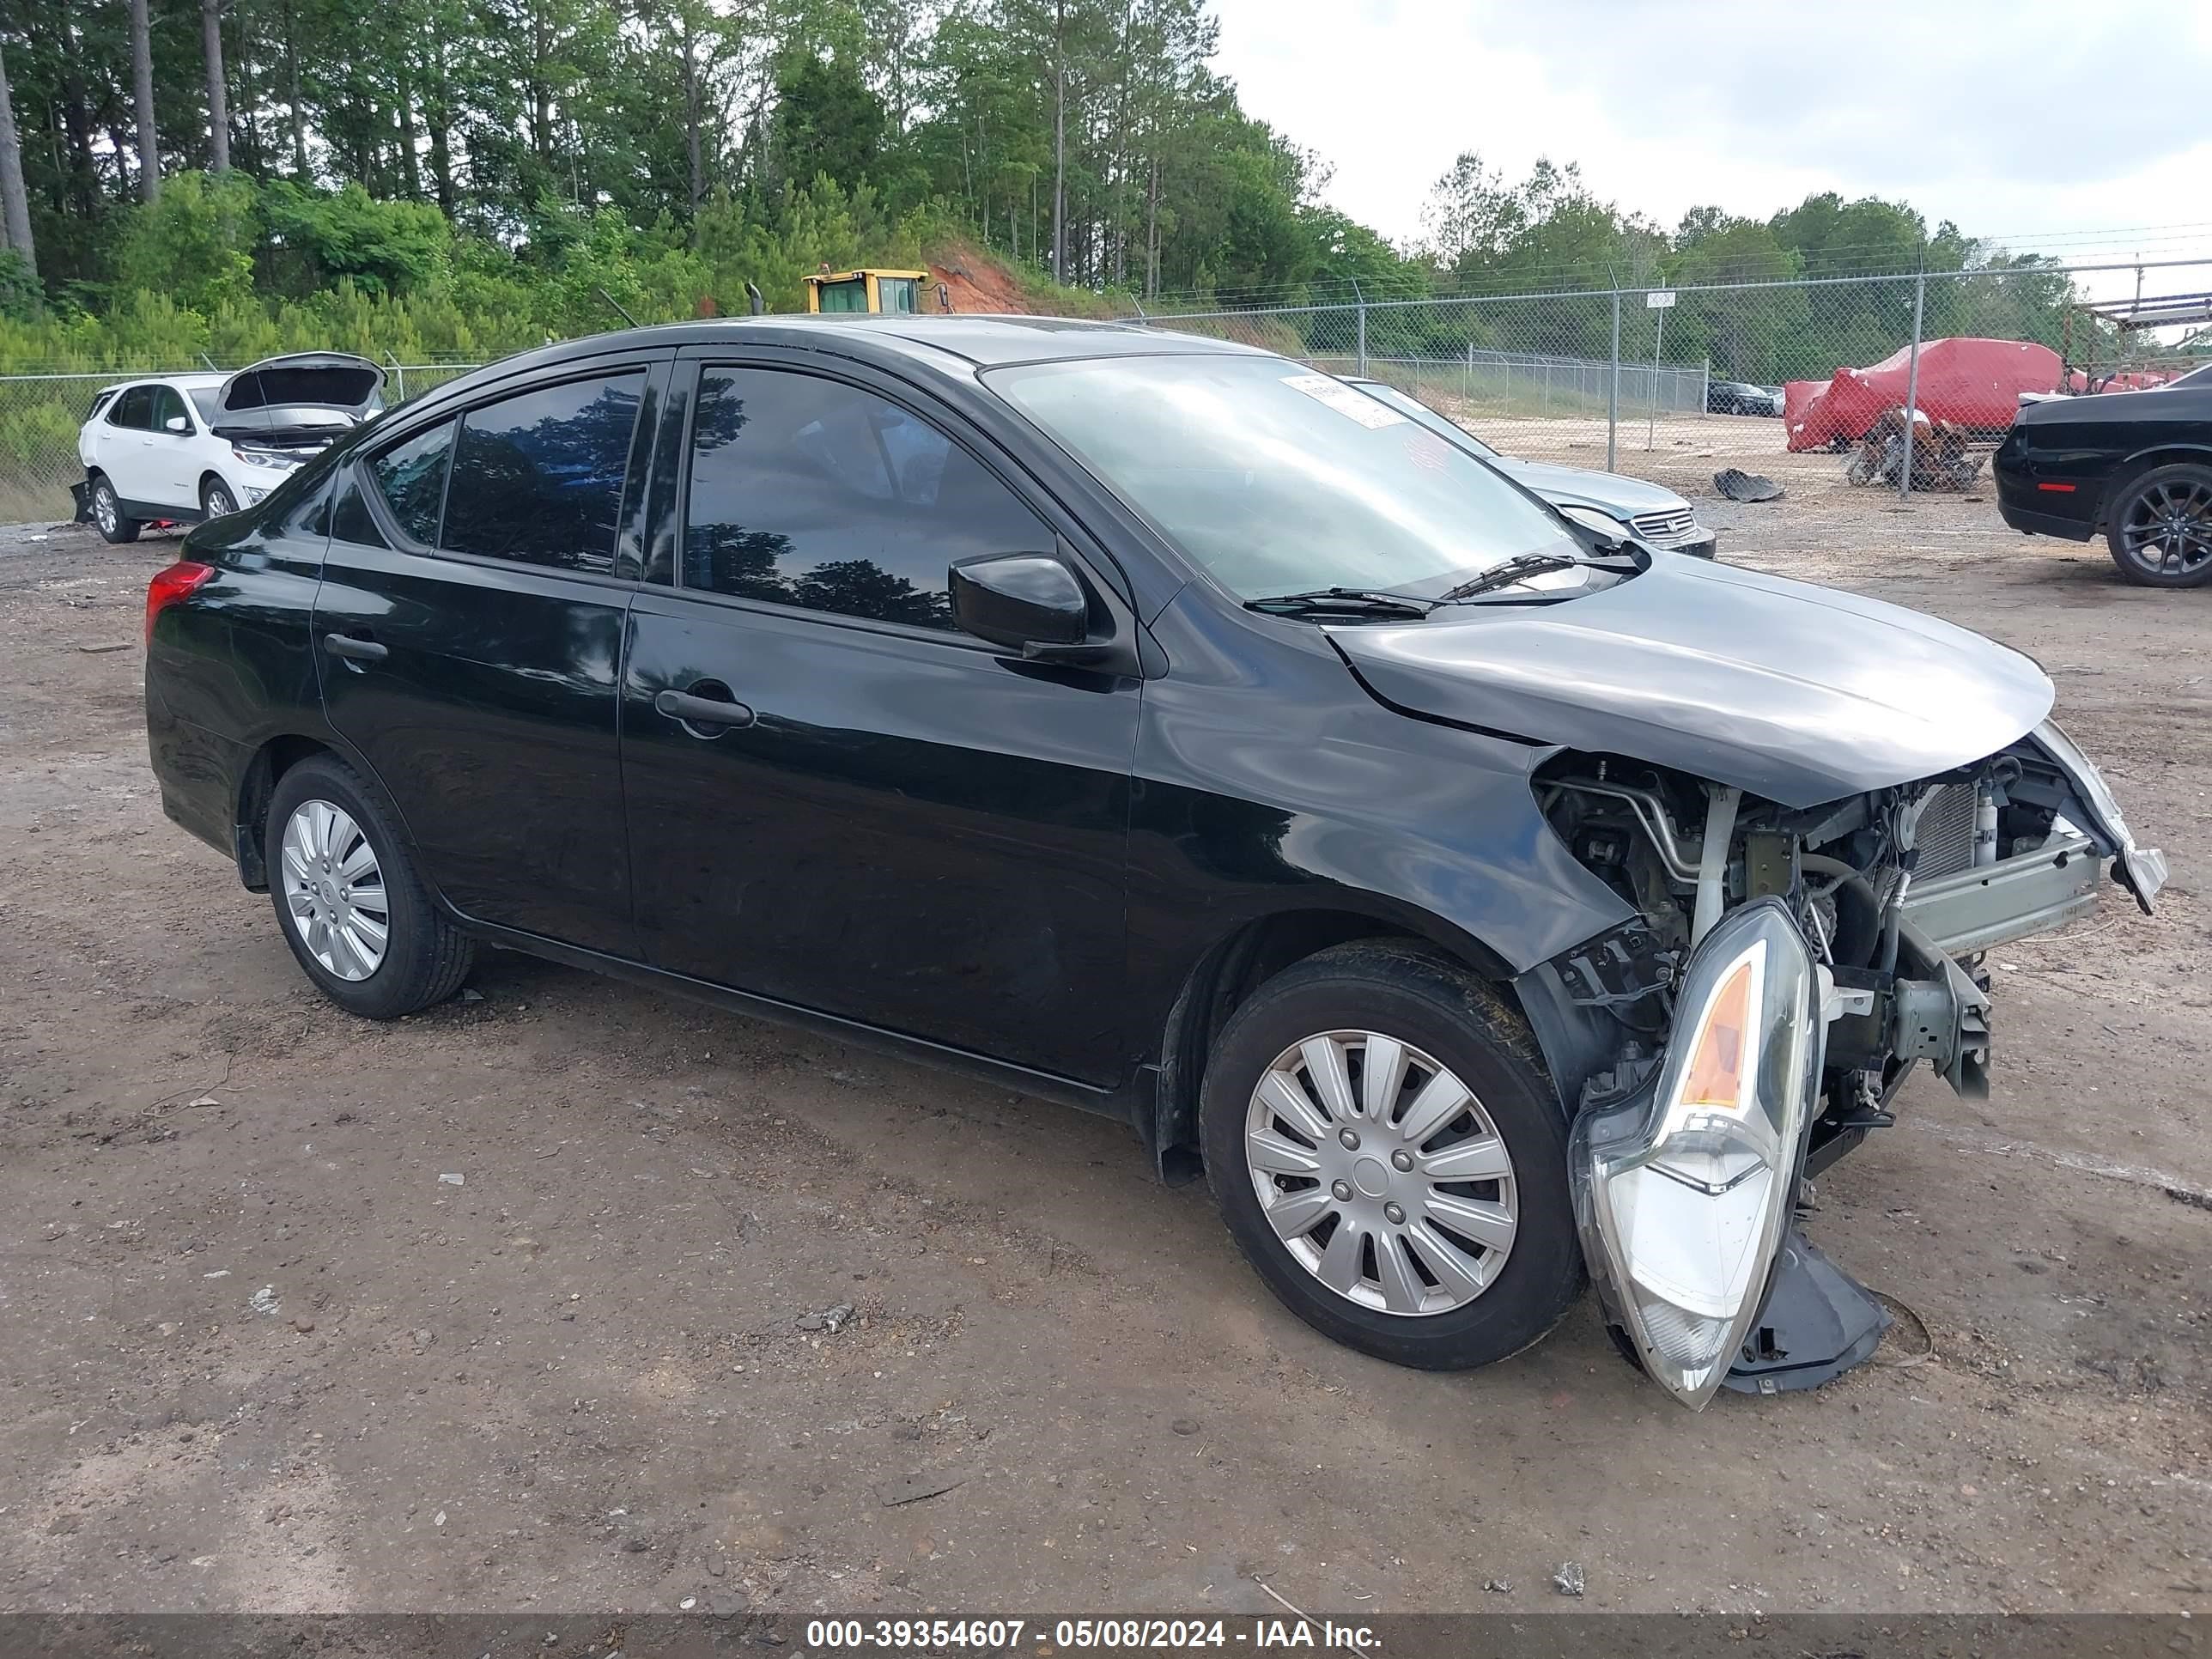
{"x": 103, "y": 508}
{"x": 334, "y": 887}
{"x": 1381, "y": 1173}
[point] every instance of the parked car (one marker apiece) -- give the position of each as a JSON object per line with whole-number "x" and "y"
{"x": 1607, "y": 501}
{"x": 1147, "y": 722}
{"x": 2136, "y": 465}
{"x": 179, "y": 448}
{"x": 1742, "y": 397}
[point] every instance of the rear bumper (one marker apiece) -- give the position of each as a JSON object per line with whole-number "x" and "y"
{"x": 2068, "y": 526}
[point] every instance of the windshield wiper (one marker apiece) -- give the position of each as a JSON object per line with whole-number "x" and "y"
{"x": 1342, "y": 601}
{"x": 1521, "y": 567}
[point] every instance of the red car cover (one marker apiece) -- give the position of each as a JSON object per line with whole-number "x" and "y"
{"x": 1972, "y": 383}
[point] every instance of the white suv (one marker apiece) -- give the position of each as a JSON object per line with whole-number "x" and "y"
{"x": 183, "y": 447}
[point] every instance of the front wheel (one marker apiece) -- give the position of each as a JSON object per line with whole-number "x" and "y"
{"x": 2160, "y": 528}
{"x": 107, "y": 514}
{"x": 215, "y": 500}
{"x": 1386, "y": 1152}
{"x": 358, "y": 918}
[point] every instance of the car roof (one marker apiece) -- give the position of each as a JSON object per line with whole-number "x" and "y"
{"x": 983, "y": 342}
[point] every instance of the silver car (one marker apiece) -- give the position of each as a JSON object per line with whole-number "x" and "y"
{"x": 1604, "y": 501}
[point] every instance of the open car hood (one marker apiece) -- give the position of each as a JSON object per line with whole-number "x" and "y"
{"x": 1799, "y": 694}
{"x": 307, "y": 390}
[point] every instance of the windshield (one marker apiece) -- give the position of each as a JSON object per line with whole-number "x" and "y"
{"x": 1279, "y": 480}
{"x": 1414, "y": 409}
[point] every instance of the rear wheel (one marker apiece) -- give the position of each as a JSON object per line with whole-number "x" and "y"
{"x": 1389, "y": 1157}
{"x": 357, "y": 916}
{"x": 216, "y": 498}
{"x": 2160, "y": 527}
{"x": 107, "y": 514}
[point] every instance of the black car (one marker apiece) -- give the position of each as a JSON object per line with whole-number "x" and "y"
{"x": 2136, "y": 465}
{"x": 1150, "y": 723}
{"x": 1742, "y": 397}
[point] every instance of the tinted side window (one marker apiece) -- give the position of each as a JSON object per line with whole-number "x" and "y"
{"x": 538, "y": 478}
{"x": 809, "y": 493}
{"x": 351, "y": 520}
{"x": 412, "y": 476}
{"x": 134, "y": 408}
{"x": 169, "y": 406}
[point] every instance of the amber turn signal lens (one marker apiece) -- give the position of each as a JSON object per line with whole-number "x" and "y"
{"x": 1715, "y": 1080}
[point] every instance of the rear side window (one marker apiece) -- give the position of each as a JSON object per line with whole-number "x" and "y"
{"x": 412, "y": 476}
{"x": 134, "y": 408}
{"x": 537, "y": 478}
{"x": 808, "y": 492}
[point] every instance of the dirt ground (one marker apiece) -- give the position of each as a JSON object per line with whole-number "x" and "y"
{"x": 514, "y": 1305}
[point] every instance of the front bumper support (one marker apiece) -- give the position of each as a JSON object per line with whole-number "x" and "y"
{"x": 1816, "y": 1323}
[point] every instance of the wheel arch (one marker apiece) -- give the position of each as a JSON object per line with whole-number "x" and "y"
{"x": 1243, "y": 958}
{"x": 277, "y": 755}
{"x": 2174, "y": 452}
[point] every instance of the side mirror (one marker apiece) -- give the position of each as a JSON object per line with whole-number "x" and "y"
{"x": 176, "y": 423}
{"x": 1027, "y": 602}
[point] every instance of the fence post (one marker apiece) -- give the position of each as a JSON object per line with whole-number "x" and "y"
{"x": 1362, "y": 301}
{"x": 1612, "y": 393}
{"x": 1705, "y": 389}
{"x": 1467, "y": 382}
{"x": 1913, "y": 384}
{"x": 400, "y": 374}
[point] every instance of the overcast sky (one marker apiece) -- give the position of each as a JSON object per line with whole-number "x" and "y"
{"x": 2014, "y": 117}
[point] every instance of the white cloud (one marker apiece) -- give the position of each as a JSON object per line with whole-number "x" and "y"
{"x": 2035, "y": 119}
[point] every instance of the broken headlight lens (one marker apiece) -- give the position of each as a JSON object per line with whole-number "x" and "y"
{"x": 1683, "y": 1192}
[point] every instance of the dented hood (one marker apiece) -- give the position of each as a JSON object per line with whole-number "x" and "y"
{"x": 1796, "y": 693}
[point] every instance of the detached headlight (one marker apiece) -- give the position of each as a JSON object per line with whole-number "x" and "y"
{"x": 282, "y": 459}
{"x": 1683, "y": 1191}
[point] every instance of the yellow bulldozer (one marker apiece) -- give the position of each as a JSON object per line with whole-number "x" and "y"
{"x": 892, "y": 293}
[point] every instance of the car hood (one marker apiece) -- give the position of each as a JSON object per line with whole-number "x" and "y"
{"x": 1796, "y": 693}
{"x": 1608, "y": 492}
{"x": 307, "y": 389}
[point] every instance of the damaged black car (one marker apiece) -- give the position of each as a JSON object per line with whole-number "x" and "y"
{"x": 1485, "y": 904}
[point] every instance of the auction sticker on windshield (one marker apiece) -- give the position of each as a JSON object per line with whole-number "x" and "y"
{"x": 1345, "y": 400}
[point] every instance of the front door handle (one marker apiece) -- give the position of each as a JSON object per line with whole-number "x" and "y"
{"x": 344, "y": 645}
{"x": 702, "y": 711}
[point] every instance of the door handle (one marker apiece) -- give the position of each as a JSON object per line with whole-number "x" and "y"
{"x": 702, "y": 711}
{"x": 344, "y": 645}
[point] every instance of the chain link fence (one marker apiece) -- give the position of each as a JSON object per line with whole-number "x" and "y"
{"x": 41, "y": 415}
{"x": 1805, "y": 383}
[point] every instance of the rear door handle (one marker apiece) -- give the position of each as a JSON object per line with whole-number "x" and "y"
{"x": 344, "y": 645}
{"x": 702, "y": 711}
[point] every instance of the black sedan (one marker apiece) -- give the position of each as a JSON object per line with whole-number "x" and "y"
{"x": 1742, "y": 397}
{"x": 1149, "y": 722}
{"x": 2136, "y": 465}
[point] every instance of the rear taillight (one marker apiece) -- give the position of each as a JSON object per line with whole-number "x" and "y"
{"x": 170, "y": 586}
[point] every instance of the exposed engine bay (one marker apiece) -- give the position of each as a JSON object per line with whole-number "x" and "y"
{"x": 1787, "y": 968}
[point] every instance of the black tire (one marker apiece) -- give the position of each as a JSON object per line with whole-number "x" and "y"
{"x": 1399, "y": 989}
{"x": 215, "y": 500}
{"x": 2180, "y": 494}
{"x": 425, "y": 958}
{"x": 107, "y": 512}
